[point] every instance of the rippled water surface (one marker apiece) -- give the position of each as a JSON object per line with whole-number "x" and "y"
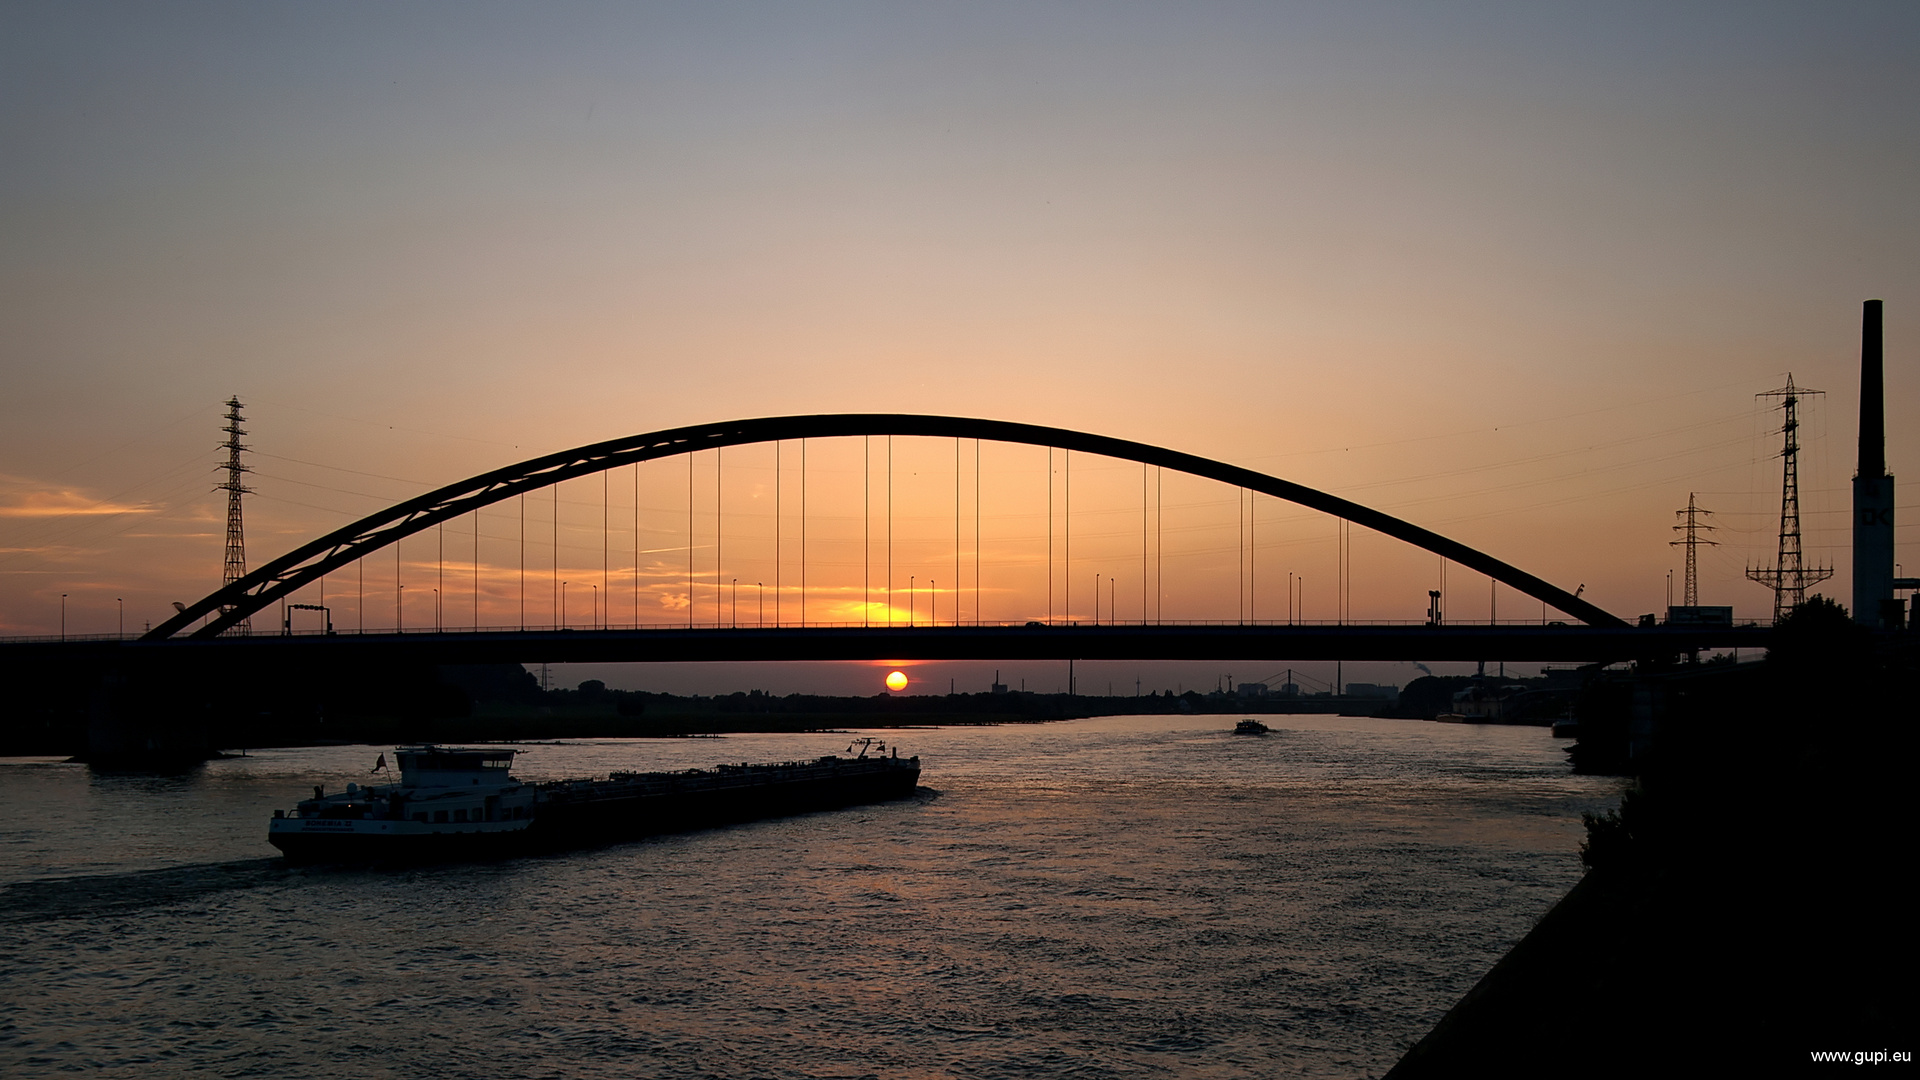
{"x": 1126, "y": 896}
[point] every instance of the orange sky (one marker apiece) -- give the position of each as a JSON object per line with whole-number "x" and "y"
{"x": 1512, "y": 273}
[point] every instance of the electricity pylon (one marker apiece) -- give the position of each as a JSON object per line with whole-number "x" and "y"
{"x": 1789, "y": 575}
{"x": 1691, "y": 524}
{"x": 236, "y": 563}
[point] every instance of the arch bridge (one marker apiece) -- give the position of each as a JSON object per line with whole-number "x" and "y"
{"x": 218, "y": 612}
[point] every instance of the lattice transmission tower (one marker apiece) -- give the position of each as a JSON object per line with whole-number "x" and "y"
{"x": 1789, "y": 576}
{"x": 1692, "y": 526}
{"x": 236, "y": 563}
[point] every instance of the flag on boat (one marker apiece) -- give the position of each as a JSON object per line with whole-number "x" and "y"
{"x": 381, "y": 764}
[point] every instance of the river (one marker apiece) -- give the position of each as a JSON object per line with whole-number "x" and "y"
{"x": 1114, "y": 897}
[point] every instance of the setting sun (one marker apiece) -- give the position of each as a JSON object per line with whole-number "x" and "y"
{"x": 897, "y": 681}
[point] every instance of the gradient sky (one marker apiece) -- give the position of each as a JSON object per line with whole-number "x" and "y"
{"x": 1514, "y": 272}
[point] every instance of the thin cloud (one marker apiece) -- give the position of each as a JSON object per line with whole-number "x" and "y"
{"x": 20, "y": 498}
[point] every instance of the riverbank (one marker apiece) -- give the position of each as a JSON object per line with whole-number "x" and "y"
{"x": 1747, "y": 905}
{"x": 1629, "y": 975}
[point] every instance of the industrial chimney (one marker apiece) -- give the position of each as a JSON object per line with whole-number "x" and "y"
{"x": 1873, "y": 601}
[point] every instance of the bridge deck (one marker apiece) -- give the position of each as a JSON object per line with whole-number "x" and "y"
{"x": 1514, "y": 643}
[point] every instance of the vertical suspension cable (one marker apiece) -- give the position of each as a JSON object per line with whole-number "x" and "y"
{"x": 803, "y": 532}
{"x": 718, "y": 529}
{"x": 523, "y": 561}
{"x": 636, "y": 545}
{"x": 1240, "y": 555}
{"x": 360, "y": 600}
{"x": 606, "y": 503}
{"x": 440, "y": 534}
{"x": 866, "y": 531}
{"x": 776, "y": 532}
{"x": 889, "y": 530}
{"x": 1159, "y": 546}
{"x": 553, "y": 612}
{"x": 1066, "y": 557}
{"x": 399, "y": 612}
{"x": 956, "y": 530}
{"x": 476, "y": 568}
{"x": 976, "y": 532}
{"x": 689, "y": 539}
{"x": 1143, "y": 552}
{"x": 1049, "y": 535}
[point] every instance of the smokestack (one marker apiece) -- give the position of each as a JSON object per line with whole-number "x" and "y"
{"x": 1873, "y": 398}
{"x": 1873, "y": 600}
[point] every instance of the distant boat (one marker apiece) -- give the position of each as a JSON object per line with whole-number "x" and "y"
{"x": 1250, "y": 727}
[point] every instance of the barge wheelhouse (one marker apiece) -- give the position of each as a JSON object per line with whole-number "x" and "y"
{"x": 449, "y": 803}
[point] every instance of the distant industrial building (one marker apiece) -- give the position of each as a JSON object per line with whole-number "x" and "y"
{"x": 1374, "y": 691}
{"x": 1698, "y": 615}
{"x": 1874, "y": 603}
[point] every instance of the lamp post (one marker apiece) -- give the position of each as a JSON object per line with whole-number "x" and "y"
{"x": 63, "y": 616}
{"x": 123, "y": 616}
{"x": 1113, "y": 607}
{"x": 933, "y": 602}
{"x": 760, "y": 619}
{"x": 436, "y": 611}
{"x": 563, "y": 605}
{"x": 734, "y": 620}
{"x": 909, "y": 600}
{"x": 399, "y": 609}
{"x": 596, "y": 604}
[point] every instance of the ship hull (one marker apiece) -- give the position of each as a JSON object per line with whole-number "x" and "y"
{"x": 321, "y": 845}
{"x": 579, "y": 814}
{"x": 610, "y": 815}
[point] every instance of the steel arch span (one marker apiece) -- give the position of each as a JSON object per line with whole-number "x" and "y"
{"x": 310, "y": 561}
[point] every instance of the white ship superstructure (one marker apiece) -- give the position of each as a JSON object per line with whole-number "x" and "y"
{"x": 447, "y": 800}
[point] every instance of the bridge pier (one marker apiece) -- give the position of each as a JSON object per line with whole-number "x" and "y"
{"x": 140, "y": 715}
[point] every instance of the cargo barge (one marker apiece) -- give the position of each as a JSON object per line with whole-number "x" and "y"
{"x": 456, "y": 803}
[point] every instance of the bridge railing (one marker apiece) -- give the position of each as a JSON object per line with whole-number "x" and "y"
{"x": 681, "y": 627}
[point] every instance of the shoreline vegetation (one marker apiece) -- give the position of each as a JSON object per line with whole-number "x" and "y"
{"x": 1747, "y": 904}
